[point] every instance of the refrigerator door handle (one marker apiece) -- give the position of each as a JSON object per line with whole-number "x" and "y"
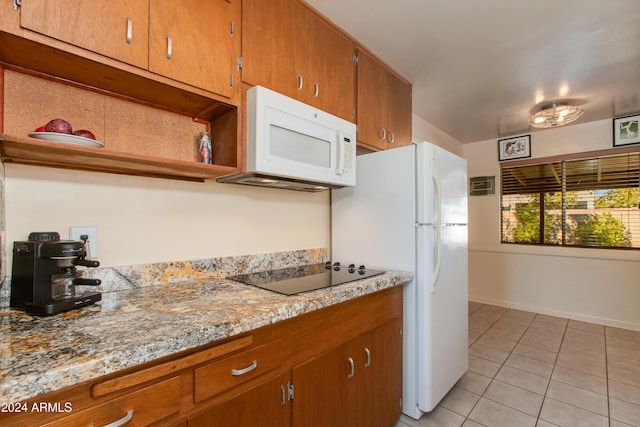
{"x": 437, "y": 227}
{"x": 437, "y": 195}
{"x": 438, "y": 248}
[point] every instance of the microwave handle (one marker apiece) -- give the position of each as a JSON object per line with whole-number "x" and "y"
{"x": 340, "y": 169}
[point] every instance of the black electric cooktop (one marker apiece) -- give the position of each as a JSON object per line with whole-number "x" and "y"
{"x": 295, "y": 280}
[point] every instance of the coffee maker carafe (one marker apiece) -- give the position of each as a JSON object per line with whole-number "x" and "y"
{"x": 44, "y": 275}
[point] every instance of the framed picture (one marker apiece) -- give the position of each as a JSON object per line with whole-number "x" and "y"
{"x": 517, "y": 147}
{"x": 625, "y": 130}
{"x": 482, "y": 185}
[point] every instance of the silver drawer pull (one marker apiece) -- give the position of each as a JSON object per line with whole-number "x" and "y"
{"x": 129, "y": 30}
{"x": 169, "y": 47}
{"x": 368, "y": 353}
{"x": 317, "y": 90}
{"x": 393, "y": 138}
{"x": 300, "y": 82}
{"x": 236, "y": 372}
{"x": 352, "y": 366}
{"x": 122, "y": 421}
{"x": 382, "y": 134}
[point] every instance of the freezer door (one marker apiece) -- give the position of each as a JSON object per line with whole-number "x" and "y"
{"x": 441, "y": 186}
{"x": 451, "y": 177}
{"x": 442, "y": 289}
{"x": 427, "y": 201}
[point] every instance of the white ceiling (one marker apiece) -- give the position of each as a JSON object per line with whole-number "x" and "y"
{"x": 480, "y": 67}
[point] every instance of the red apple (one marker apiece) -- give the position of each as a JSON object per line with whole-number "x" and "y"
{"x": 84, "y": 133}
{"x": 59, "y": 126}
{"x": 40, "y": 129}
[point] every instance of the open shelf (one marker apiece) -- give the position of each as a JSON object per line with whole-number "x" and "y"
{"x": 31, "y": 151}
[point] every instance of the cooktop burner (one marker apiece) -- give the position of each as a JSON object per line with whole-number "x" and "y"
{"x": 295, "y": 280}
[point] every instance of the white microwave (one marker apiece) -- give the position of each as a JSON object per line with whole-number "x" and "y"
{"x": 294, "y": 146}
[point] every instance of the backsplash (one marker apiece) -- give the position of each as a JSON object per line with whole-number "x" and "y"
{"x": 163, "y": 273}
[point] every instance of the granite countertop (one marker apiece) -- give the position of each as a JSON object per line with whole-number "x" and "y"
{"x": 134, "y": 326}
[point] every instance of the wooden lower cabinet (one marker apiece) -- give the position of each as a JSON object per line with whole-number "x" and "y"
{"x": 266, "y": 404}
{"x": 356, "y": 384}
{"x": 386, "y": 374}
{"x": 320, "y": 391}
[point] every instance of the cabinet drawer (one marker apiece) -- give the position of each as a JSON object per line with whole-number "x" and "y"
{"x": 143, "y": 407}
{"x": 230, "y": 372}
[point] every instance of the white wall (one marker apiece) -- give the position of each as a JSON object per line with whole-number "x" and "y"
{"x": 594, "y": 285}
{"x": 146, "y": 220}
{"x": 425, "y": 131}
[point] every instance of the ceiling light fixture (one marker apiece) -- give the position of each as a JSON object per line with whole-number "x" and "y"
{"x": 555, "y": 114}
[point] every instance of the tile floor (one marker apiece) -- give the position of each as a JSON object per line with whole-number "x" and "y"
{"x": 528, "y": 369}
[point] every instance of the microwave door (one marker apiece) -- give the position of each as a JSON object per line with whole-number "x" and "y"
{"x": 292, "y": 146}
{"x": 297, "y": 147}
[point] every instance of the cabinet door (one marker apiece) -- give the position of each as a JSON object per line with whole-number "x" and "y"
{"x": 263, "y": 405}
{"x": 329, "y": 70}
{"x": 375, "y": 390}
{"x": 372, "y": 96}
{"x": 399, "y": 110}
{"x": 192, "y": 43}
{"x": 268, "y": 40}
{"x": 114, "y": 28}
{"x": 382, "y": 350}
{"x": 320, "y": 397}
{"x": 384, "y": 105}
{"x": 358, "y": 384}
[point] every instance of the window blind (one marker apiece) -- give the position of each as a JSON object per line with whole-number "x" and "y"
{"x": 589, "y": 202}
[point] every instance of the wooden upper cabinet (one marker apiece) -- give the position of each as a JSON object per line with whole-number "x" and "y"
{"x": 328, "y": 69}
{"x": 288, "y": 48}
{"x": 268, "y": 42}
{"x": 192, "y": 43}
{"x": 384, "y": 105}
{"x": 116, "y": 28}
{"x": 372, "y": 95}
{"x": 400, "y": 108}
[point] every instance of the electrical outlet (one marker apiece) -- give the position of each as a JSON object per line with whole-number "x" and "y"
{"x": 75, "y": 233}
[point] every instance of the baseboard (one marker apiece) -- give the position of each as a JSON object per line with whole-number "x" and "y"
{"x": 568, "y": 315}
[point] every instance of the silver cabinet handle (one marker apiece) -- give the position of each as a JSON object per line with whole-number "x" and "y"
{"x": 129, "y": 30}
{"x": 300, "y": 82}
{"x": 393, "y": 138}
{"x": 283, "y": 395}
{"x": 169, "y": 47}
{"x": 317, "y": 89}
{"x": 382, "y": 134}
{"x": 368, "y": 353}
{"x": 236, "y": 372}
{"x": 352, "y": 366}
{"x": 121, "y": 421}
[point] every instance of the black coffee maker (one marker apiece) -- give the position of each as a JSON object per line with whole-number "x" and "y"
{"x": 44, "y": 275}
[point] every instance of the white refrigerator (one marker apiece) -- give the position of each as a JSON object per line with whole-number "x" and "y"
{"x": 408, "y": 211}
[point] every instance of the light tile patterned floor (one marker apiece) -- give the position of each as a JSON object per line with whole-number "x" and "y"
{"x": 528, "y": 369}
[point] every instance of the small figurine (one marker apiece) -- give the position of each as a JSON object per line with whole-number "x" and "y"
{"x": 205, "y": 148}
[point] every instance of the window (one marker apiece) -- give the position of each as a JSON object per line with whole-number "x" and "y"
{"x": 587, "y": 202}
